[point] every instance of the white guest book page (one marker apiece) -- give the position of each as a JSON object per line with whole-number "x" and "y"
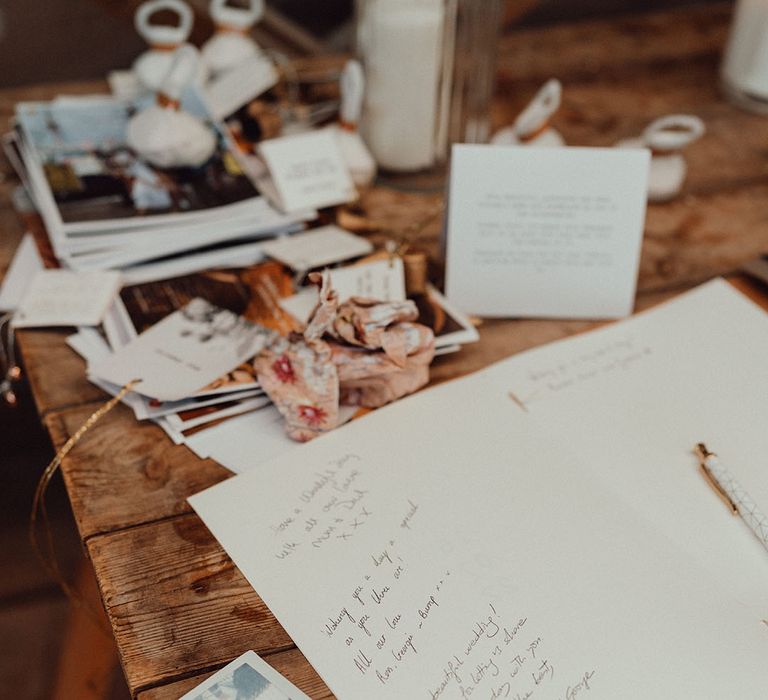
{"x": 472, "y": 542}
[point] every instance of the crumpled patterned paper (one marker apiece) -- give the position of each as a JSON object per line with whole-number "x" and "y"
{"x": 359, "y": 353}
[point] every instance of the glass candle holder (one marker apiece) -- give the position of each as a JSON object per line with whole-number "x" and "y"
{"x": 744, "y": 72}
{"x": 430, "y": 74}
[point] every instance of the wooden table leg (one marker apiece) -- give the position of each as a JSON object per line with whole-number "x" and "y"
{"x": 88, "y": 659}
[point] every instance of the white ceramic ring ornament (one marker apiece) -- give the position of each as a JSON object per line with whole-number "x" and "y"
{"x": 673, "y": 132}
{"x": 666, "y": 137}
{"x": 538, "y": 113}
{"x": 164, "y": 36}
{"x": 352, "y": 88}
{"x": 153, "y": 65}
{"x": 362, "y": 166}
{"x": 531, "y": 128}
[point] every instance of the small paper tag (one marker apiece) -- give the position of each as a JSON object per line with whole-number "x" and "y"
{"x": 66, "y": 298}
{"x": 227, "y": 93}
{"x": 184, "y": 352}
{"x": 383, "y": 280}
{"x": 320, "y": 246}
{"x": 308, "y": 171}
{"x": 248, "y": 676}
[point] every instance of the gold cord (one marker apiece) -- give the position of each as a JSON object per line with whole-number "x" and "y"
{"x": 49, "y": 559}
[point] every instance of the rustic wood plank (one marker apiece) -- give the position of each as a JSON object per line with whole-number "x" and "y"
{"x": 291, "y": 664}
{"x": 88, "y": 657}
{"x": 176, "y": 602}
{"x": 56, "y": 373}
{"x": 617, "y": 48}
{"x": 124, "y": 473}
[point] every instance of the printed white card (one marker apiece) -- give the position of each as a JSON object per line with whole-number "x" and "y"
{"x": 317, "y": 247}
{"x": 184, "y": 352}
{"x": 522, "y": 550}
{"x": 66, "y": 298}
{"x": 383, "y": 280}
{"x": 248, "y": 677}
{"x": 307, "y": 171}
{"x": 540, "y": 232}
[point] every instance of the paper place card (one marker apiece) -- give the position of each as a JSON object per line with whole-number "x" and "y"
{"x": 248, "y": 677}
{"x": 545, "y": 232}
{"x": 184, "y": 352}
{"x": 318, "y": 247}
{"x": 383, "y": 280}
{"x": 66, "y": 298}
{"x": 307, "y": 171}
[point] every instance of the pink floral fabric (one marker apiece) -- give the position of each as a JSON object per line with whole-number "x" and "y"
{"x": 360, "y": 353}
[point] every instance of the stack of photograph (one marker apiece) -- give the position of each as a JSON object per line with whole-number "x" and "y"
{"x": 104, "y": 206}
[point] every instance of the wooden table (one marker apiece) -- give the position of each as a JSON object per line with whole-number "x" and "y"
{"x": 178, "y": 607}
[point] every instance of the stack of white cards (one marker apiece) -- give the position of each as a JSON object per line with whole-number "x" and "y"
{"x": 104, "y": 207}
{"x": 193, "y": 366}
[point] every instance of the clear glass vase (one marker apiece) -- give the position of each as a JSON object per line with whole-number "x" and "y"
{"x": 430, "y": 69}
{"x": 744, "y": 72}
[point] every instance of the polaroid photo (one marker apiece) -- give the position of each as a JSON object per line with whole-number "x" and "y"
{"x": 247, "y": 678}
{"x": 185, "y": 352}
{"x": 306, "y": 171}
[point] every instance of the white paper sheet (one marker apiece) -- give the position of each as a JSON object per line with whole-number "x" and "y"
{"x": 317, "y": 247}
{"x": 545, "y": 232}
{"x": 479, "y": 551}
{"x": 633, "y": 400}
{"x": 184, "y": 352}
{"x": 382, "y": 279}
{"x": 307, "y": 171}
{"x": 66, "y": 298}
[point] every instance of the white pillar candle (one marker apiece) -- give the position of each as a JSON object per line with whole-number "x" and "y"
{"x": 401, "y": 44}
{"x": 745, "y": 66}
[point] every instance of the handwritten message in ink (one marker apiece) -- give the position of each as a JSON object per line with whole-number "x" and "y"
{"x": 547, "y": 380}
{"x": 544, "y": 231}
{"x": 331, "y": 508}
{"x": 450, "y": 546}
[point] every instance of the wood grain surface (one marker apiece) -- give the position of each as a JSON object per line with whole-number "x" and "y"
{"x": 178, "y": 607}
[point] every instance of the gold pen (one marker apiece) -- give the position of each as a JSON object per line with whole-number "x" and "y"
{"x": 704, "y": 455}
{"x": 731, "y": 492}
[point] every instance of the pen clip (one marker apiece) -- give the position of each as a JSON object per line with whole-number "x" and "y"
{"x": 704, "y": 454}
